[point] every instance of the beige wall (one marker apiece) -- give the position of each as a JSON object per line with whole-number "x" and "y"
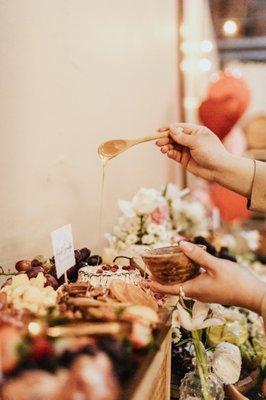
{"x": 74, "y": 73}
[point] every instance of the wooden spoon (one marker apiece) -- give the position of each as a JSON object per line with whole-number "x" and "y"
{"x": 112, "y": 148}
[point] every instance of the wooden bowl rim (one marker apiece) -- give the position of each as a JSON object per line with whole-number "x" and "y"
{"x": 147, "y": 254}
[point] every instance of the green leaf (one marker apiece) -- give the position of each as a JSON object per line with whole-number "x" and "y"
{"x": 183, "y": 342}
{"x": 23, "y": 348}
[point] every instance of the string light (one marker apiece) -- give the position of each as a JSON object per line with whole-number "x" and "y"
{"x": 187, "y": 66}
{"x": 230, "y": 27}
{"x": 205, "y": 64}
{"x": 189, "y": 47}
{"x": 206, "y": 46}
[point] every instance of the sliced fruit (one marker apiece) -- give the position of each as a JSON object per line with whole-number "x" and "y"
{"x": 137, "y": 296}
{"x": 141, "y": 335}
{"x": 143, "y": 313}
{"x": 118, "y": 289}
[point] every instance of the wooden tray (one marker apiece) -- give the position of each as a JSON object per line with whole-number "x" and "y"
{"x": 151, "y": 381}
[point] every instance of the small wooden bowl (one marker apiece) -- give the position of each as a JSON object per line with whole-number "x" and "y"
{"x": 237, "y": 391}
{"x": 170, "y": 265}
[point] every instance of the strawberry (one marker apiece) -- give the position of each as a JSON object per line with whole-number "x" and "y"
{"x": 41, "y": 348}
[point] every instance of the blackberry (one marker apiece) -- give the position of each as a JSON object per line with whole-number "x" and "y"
{"x": 85, "y": 253}
{"x": 78, "y": 256}
{"x": 94, "y": 260}
{"x": 209, "y": 247}
{"x": 225, "y": 255}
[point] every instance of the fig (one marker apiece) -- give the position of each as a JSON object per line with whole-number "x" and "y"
{"x": 94, "y": 260}
{"x": 85, "y": 253}
{"x": 23, "y": 265}
{"x": 36, "y": 263}
{"x": 51, "y": 281}
{"x": 82, "y": 264}
{"x": 33, "y": 272}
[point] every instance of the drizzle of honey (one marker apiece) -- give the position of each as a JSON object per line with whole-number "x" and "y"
{"x": 104, "y": 161}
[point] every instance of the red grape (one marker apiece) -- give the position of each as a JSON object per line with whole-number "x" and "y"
{"x": 23, "y": 265}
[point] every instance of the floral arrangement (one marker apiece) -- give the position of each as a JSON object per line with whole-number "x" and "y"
{"x": 241, "y": 243}
{"x": 234, "y": 338}
{"x": 156, "y": 218}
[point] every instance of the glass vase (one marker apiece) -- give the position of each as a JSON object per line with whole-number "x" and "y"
{"x": 191, "y": 388}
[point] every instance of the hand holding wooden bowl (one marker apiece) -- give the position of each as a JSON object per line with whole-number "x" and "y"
{"x": 169, "y": 265}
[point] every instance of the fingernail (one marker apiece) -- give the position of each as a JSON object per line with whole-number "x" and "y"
{"x": 176, "y": 130}
{"x": 186, "y": 245}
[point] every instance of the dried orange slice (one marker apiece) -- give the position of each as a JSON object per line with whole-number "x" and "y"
{"x": 136, "y": 295}
{"x": 118, "y": 290}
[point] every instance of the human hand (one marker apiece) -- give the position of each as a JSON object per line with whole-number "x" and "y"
{"x": 195, "y": 147}
{"x": 222, "y": 281}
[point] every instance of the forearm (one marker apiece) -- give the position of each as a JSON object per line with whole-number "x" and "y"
{"x": 236, "y": 173}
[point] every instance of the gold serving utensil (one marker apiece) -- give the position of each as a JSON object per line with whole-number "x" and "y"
{"x": 112, "y": 148}
{"x": 87, "y": 302}
{"x": 117, "y": 329}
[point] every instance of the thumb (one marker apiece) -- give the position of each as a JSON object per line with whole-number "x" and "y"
{"x": 199, "y": 255}
{"x": 180, "y": 137}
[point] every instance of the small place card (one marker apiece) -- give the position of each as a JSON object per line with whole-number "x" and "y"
{"x": 63, "y": 248}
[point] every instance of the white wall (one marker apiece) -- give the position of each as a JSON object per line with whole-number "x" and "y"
{"x": 74, "y": 73}
{"x": 255, "y": 75}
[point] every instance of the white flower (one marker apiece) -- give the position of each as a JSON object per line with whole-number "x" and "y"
{"x": 252, "y": 238}
{"x": 198, "y": 320}
{"x": 110, "y": 238}
{"x": 109, "y": 253}
{"x": 230, "y": 314}
{"x": 172, "y": 192}
{"x": 148, "y": 239}
{"x": 129, "y": 224}
{"x": 151, "y": 228}
{"x": 146, "y": 200}
{"x": 118, "y": 232}
{"x": 131, "y": 239}
{"x": 121, "y": 245}
{"x": 155, "y": 229}
{"x": 177, "y": 207}
{"x": 176, "y": 335}
{"x": 226, "y": 362}
{"x": 194, "y": 211}
{"x": 126, "y": 208}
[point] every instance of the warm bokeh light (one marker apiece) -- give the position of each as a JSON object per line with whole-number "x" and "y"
{"x": 206, "y": 46}
{"x": 230, "y": 27}
{"x": 34, "y": 328}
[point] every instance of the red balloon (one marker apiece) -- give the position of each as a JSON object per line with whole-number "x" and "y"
{"x": 227, "y": 99}
{"x": 232, "y": 206}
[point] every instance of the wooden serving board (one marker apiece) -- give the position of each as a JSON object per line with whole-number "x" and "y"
{"x": 151, "y": 381}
